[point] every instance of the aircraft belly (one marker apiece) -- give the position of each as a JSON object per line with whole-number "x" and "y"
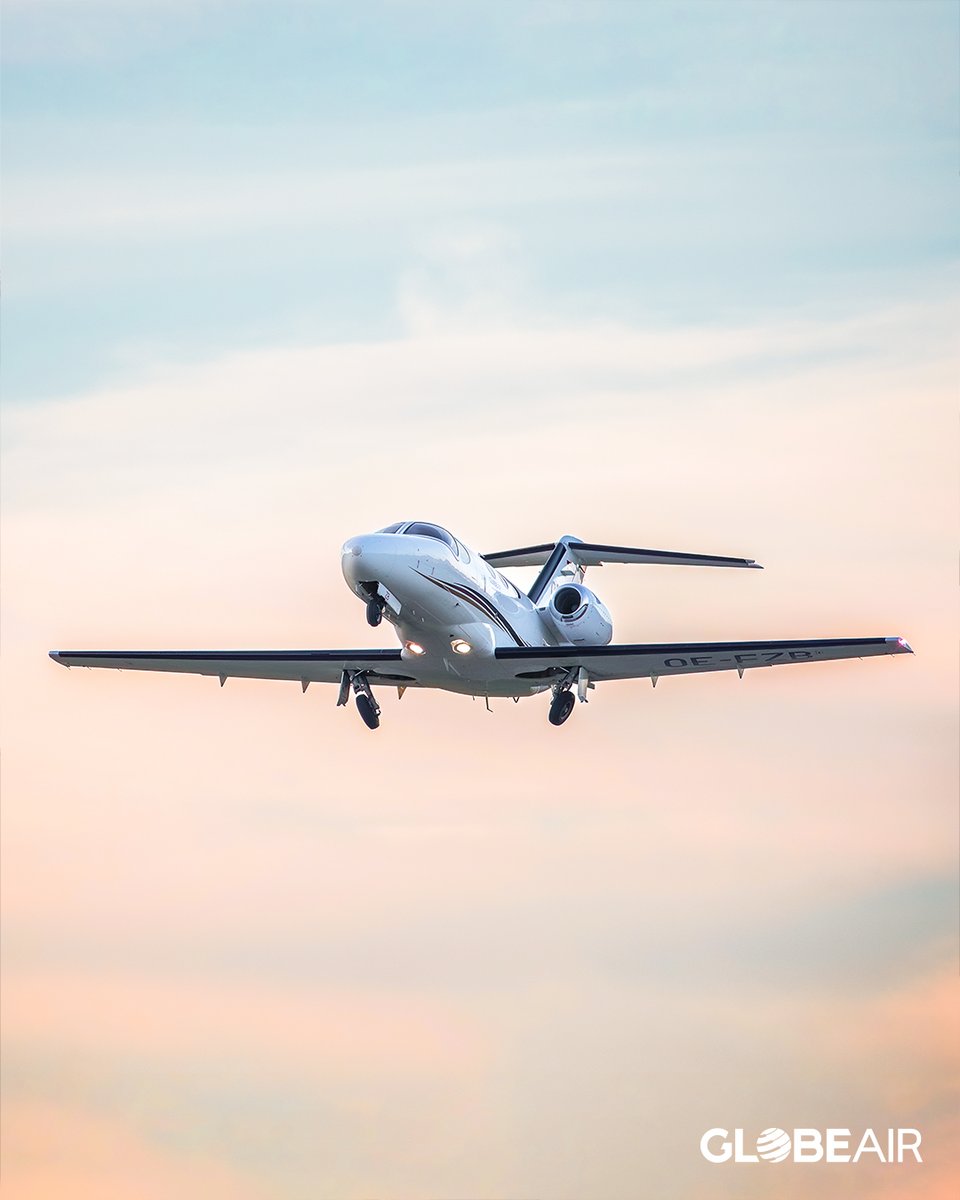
{"x": 479, "y": 684}
{"x": 500, "y": 688}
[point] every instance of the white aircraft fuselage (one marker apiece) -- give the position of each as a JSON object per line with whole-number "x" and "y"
{"x": 451, "y": 609}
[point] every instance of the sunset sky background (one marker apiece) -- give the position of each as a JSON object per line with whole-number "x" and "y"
{"x": 679, "y": 275}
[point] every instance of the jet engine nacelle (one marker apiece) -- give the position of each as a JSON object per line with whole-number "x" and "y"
{"x": 579, "y": 616}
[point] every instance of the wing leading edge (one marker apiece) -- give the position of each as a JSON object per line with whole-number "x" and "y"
{"x": 304, "y": 666}
{"x": 686, "y": 658}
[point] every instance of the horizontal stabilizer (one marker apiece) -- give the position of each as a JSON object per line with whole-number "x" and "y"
{"x": 595, "y": 554}
{"x": 527, "y": 556}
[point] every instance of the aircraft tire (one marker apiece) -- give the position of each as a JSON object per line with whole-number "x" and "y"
{"x": 561, "y": 708}
{"x": 374, "y": 612}
{"x": 371, "y": 718}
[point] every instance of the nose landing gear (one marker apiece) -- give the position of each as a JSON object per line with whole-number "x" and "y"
{"x": 374, "y": 603}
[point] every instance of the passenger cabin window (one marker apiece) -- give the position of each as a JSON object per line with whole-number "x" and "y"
{"x": 432, "y": 531}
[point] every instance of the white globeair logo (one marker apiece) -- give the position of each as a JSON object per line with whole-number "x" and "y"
{"x": 773, "y": 1145}
{"x": 834, "y": 1145}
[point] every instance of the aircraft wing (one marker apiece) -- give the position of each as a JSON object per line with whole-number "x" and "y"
{"x": 684, "y": 658}
{"x": 304, "y": 666}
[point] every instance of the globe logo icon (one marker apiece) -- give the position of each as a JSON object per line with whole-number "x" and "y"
{"x": 773, "y": 1145}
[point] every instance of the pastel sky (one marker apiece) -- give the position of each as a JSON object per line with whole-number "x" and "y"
{"x": 680, "y": 275}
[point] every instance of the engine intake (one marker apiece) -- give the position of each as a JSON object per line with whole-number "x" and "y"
{"x": 579, "y": 616}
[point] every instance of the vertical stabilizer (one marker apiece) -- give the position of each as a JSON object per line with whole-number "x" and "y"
{"x": 560, "y": 566}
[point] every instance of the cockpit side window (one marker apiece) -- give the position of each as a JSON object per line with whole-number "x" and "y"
{"x": 462, "y": 552}
{"x": 433, "y": 531}
{"x": 509, "y": 586}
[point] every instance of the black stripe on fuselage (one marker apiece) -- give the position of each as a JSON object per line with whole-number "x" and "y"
{"x": 479, "y": 601}
{"x": 483, "y": 603}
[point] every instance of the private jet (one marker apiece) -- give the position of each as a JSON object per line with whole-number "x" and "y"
{"x": 463, "y": 626}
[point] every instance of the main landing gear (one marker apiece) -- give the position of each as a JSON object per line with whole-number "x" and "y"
{"x": 561, "y": 706}
{"x": 369, "y": 710}
{"x": 367, "y": 706}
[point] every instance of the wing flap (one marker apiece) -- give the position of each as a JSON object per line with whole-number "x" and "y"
{"x": 311, "y": 666}
{"x": 641, "y": 661}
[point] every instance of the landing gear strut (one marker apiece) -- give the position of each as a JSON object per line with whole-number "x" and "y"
{"x": 367, "y": 706}
{"x": 563, "y": 696}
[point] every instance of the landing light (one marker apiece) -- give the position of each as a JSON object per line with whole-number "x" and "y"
{"x": 460, "y": 646}
{"x": 415, "y": 648}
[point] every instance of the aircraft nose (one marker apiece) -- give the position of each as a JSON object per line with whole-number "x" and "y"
{"x": 368, "y": 559}
{"x": 351, "y": 560}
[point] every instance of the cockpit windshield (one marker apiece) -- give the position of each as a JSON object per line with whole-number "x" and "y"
{"x": 426, "y": 529}
{"x": 423, "y": 529}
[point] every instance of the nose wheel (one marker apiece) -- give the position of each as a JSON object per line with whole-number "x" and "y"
{"x": 371, "y": 590}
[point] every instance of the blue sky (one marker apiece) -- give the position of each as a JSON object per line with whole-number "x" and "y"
{"x": 182, "y": 179}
